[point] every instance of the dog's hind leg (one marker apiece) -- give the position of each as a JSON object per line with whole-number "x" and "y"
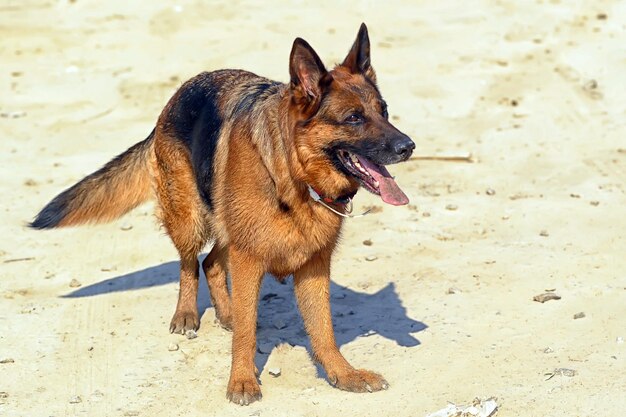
{"x": 186, "y": 315}
{"x": 189, "y": 241}
{"x": 215, "y": 269}
{"x": 184, "y": 216}
{"x": 188, "y": 237}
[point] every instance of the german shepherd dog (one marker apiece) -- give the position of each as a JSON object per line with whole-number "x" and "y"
{"x": 245, "y": 162}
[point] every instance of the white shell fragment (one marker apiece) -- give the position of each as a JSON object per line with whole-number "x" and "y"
{"x": 479, "y": 408}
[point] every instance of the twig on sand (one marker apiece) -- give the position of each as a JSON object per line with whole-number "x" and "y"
{"x": 97, "y": 116}
{"x": 7, "y": 261}
{"x": 463, "y": 157}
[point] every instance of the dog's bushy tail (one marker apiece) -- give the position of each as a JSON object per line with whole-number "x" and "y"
{"x": 116, "y": 188}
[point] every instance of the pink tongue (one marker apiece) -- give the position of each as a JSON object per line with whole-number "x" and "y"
{"x": 389, "y": 190}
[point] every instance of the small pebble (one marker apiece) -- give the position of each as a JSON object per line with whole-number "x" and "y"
{"x": 367, "y": 242}
{"x": 452, "y": 207}
{"x": 548, "y": 350}
{"x": 76, "y": 399}
{"x": 28, "y": 309}
{"x": 619, "y": 340}
{"x": 13, "y": 114}
{"x": 7, "y": 360}
{"x": 191, "y": 334}
{"x": 542, "y": 298}
{"x": 544, "y": 233}
{"x": 97, "y": 394}
{"x": 173, "y": 347}
{"x": 275, "y": 372}
{"x": 573, "y": 195}
{"x": 74, "y": 283}
{"x": 594, "y": 203}
{"x": 126, "y": 227}
{"x": 371, "y": 258}
{"x": 453, "y": 290}
{"x": 426, "y": 214}
{"x": 490, "y": 191}
{"x": 579, "y": 315}
{"x": 590, "y": 85}
{"x": 566, "y": 372}
{"x": 255, "y": 414}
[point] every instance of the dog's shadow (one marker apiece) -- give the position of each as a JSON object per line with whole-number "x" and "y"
{"x": 355, "y": 314}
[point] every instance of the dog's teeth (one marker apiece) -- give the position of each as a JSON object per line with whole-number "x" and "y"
{"x": 377, "y": 184}
{"x": 357, "y": 164}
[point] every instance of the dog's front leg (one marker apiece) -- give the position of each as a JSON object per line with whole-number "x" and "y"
{"x": 312, "y": 287}
{"x": 246, "y": 275}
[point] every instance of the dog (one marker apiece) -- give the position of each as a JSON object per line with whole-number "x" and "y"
{"x": 265, "y": 170}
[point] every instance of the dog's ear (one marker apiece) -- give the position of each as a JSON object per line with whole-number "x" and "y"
{"x": 358, "y": 59}
{"x": 309, "y": 78}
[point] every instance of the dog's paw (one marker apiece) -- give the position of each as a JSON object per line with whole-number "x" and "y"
{"x": 184, "y": 321}
{"x": 359, "y": 380}
{"x": 243, "y": 391}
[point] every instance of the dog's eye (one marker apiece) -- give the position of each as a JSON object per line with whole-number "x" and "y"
{"x": 354, "y": 118}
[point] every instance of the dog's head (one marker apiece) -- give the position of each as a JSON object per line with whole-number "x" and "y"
{"x": 342, "y": 133}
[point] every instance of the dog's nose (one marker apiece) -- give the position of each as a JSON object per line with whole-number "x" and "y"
{"x": 404, "y": 147}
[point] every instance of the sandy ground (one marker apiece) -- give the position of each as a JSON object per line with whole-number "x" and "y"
{"x": 534, "y": 90}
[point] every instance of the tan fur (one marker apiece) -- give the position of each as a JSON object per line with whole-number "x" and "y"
{"x": 259, "y": 165}
{"x": 128, "y": 180}
{"x": 261, "y": 218}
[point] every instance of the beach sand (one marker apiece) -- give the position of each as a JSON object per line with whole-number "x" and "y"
{"x": 441, "y": 302}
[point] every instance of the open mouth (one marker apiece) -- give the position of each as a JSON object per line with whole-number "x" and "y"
{"x": 373, "y": 177}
